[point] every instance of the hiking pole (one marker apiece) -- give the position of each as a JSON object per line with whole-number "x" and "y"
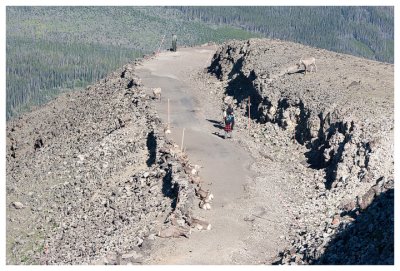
{"x": 183, "y": 136}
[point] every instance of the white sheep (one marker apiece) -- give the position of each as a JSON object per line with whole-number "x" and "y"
{"x": 307, "y": 62}
{"x": 157, "y": 93}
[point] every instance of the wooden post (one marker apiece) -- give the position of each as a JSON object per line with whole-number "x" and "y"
{"x": 183, "y": 136}
{"x": 168, "y": 131}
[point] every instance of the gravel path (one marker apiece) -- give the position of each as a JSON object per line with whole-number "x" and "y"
{"x": 248, "y": 222}
{"x": 225, "y": 164}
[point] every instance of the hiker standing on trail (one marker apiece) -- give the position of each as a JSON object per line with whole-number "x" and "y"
{"x": 229, "y": 120}
{"x": 174, "y": 42}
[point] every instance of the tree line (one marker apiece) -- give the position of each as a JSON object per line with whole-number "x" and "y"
{"x": 52, "y": 49}
{"x": 361, "y": 31}
{"x": 35, "y": 67}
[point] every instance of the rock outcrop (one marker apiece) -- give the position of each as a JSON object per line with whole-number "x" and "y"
{"x": 91, "y": 178}
{"x": 343, "y": 115}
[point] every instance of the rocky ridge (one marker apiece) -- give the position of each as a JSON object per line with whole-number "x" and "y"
{"x": 341, "y": 119}
{"x": 91, "y": 178}
{"x": 115, "y": 183}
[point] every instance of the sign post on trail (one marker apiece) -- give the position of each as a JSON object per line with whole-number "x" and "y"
{"x": 168, "y": 131}
{"x": 183, "y": 136}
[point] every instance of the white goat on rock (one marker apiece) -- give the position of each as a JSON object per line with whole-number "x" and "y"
{"x": 307, "y": 62}
{"x": 157, "y": 93}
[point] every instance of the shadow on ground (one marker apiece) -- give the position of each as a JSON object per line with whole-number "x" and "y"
{"x": 219, "y": 135}
{"x": 369, "y": 240}
{"x": 170, "y": 189}
{"x": 216, "y": 124}
{"x": 151, "y": 144}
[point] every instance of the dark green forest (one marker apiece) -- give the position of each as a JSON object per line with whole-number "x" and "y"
{"x": 362, "y": 31}
{"x": 50, "y": 50}
{"x": 55, "y": 49}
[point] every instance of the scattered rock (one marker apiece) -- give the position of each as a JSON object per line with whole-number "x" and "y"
{"x": 133, "y": 254}
{"x": 87, "y": 182}
{"x": 17, "y": 205}
{"x": 336, "y": 220}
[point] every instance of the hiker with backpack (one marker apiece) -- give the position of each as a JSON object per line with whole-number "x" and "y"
{"x": 229, "y": 120}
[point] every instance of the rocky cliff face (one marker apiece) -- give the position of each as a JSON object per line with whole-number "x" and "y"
{"x": 91, "y": 177}
{"x": 343, "y": 115}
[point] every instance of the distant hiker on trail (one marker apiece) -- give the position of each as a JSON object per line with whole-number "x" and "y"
{"x": 229, "y": 120}
{"x": 174, "y": 42}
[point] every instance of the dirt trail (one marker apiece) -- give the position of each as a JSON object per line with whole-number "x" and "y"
{"x": 225, "y": 165}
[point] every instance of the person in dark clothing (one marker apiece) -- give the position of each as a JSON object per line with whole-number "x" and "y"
{"x": 229, "y": 120}
{"x": 174, "y": 38}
